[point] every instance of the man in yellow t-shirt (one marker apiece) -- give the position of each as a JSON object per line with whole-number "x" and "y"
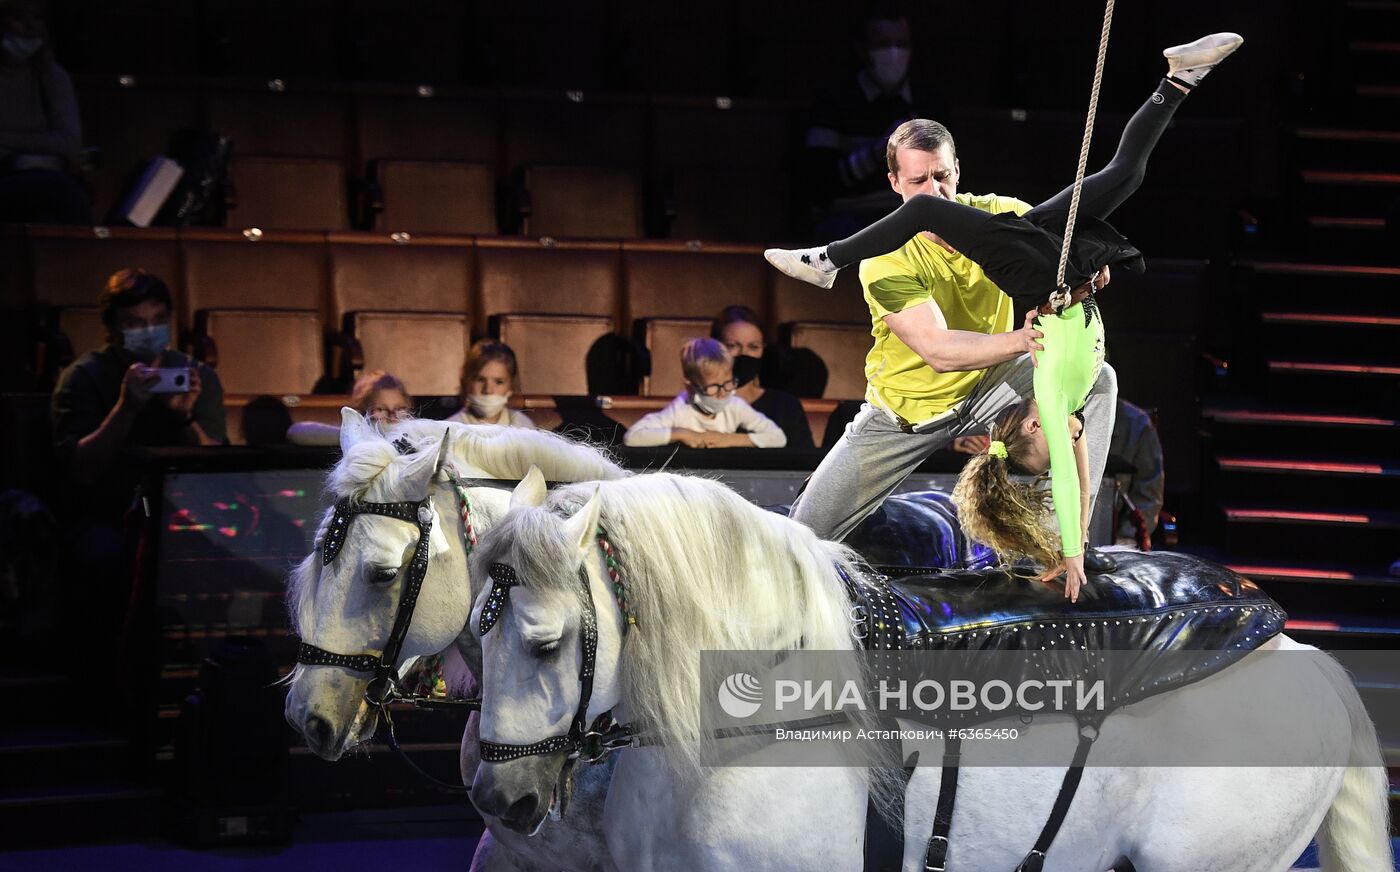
{"x": 946, "y": 359}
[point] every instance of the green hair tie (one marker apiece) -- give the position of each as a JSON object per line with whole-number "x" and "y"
{"x": 997, "y": 449}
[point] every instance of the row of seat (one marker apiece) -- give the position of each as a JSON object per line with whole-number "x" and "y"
{"x": 428, "y": 148}
{"x": 277, "y": 311}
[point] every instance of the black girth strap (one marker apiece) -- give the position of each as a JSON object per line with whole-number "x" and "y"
{"x": 1036, "y": 858}
{"x": 936, "y": 857}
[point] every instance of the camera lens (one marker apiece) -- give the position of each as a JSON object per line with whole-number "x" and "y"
{"x": 179, "y": 381}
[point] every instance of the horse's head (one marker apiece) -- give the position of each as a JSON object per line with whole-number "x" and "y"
{"x": 344, "y": 597}
{"x": 551, "y": 637}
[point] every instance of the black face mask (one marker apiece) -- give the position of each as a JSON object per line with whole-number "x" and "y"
{"x": 746, "y": 368}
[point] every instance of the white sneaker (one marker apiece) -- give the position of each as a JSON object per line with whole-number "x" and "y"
{"x": 1189, "y": 63}
{"x": 802, "y": 264}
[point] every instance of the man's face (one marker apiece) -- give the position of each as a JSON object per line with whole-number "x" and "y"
{"x": 926, "y": 172}
{"x": 146, "y": 314}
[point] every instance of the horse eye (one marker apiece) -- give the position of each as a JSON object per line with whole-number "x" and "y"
{"x": 384, "y": 576}
{"x": 548, "y": 649}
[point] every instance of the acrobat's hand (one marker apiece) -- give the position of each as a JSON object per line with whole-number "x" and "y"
{"x": 1073, "y": 570}
{"x": 1030, "y": 337}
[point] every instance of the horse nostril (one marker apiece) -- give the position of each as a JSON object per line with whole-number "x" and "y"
{"x": 522, "y": 810}
{"x": 317, "y": 731}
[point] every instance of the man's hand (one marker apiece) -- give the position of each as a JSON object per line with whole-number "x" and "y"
{"x": 183, "y": 404}
{"x": 1028, "y": 337}
{"x": 136, "y": 386}
{"x": 971, "y": 444}
{"x": 1073, "y": 570}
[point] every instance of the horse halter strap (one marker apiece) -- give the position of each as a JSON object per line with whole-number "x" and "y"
{"x": 385, "y": 664}
{"x": 503, "y": 578}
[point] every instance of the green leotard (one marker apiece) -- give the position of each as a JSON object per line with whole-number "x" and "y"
{"x": 1067, "y": 370}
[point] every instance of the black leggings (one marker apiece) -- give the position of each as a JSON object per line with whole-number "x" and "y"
{"x": 963, "y": 226}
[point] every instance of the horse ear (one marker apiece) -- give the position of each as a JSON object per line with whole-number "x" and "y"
{"x": 531, "y": 490}
{"x": 584, "y": 524}
{"x": 354, "y": 429}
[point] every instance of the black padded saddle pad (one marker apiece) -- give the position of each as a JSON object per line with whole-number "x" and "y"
{"x": 1171, "y": 619}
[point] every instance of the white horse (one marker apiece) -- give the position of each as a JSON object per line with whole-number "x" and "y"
{"x": 704, "y": 570}
{"x": 349, "y": 606}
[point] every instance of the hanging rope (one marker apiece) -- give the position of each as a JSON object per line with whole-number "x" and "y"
{"x": 1061, "y": 297}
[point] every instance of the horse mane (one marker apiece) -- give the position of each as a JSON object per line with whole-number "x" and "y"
{"x": 703, "y": 570}
{"x": 509, "y": 452}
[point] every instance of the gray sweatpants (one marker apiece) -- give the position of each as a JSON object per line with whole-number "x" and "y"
{"x": 874, "y": 455}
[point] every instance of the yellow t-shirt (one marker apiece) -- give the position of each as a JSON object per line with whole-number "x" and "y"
{"x": 899, "y": 380}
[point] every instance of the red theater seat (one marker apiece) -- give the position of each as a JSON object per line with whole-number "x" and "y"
{"x": 583, "y": 201}
{"x": 664, "y": 338}
{"x": 425, "y": 349}
{"x": 425, "y": 123}
{"x": 795, "y": 300}
{"x": 580, "y": 128}
{"x": 841, "y": 347}
{"x": 435, "y": 196}
{"x": 229, "y": 270}
{"x": 517, "y": 275}
{"x": 276, "y": 118}
{"x": 669, "y": 279}
{"x": 552, "y": 350}
{"x": 264, "y": 351}
{"x": 70, "y": 265}
{"x": 288, "y": 193}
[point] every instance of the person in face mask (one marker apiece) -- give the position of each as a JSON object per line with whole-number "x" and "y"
{"x": 708, "y": 413}
{"x": 40, "y": 132}
{"x": 103, "y": 402}
{"x": 844, "y": 157}
{"x": 489, "y": 378}
{"x": 738, "y": 329}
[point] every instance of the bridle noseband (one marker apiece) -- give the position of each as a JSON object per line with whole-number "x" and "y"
{"x": 583, "y": 739}
{"x": 384, "y": 665}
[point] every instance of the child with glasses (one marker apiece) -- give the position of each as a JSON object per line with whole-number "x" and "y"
{"x": 707, "y": 414}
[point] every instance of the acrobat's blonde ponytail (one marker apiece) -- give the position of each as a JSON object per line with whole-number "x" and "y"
{"x": 1010, "y": 518}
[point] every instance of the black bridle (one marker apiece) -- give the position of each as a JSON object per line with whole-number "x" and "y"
{"x": 589, "y": 742}
{"x": 384, "y": 687}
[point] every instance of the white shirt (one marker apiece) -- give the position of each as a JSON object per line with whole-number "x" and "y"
{"x": 655, "y": 429}
{"x": 513, "y": 418}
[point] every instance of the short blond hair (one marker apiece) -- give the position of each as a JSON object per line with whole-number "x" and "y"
{"x": 699, "y": 351}
{"x": 919, "y": 134}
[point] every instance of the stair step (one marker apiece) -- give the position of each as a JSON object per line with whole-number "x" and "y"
{"x": 1329, "y": 319}
{"x": 1375, "y": 47}
{"x": 1287, "y": 418}
{"x": 84, "y": 812}
{"x": 1374, "y": 5}
{"x": 1378, "y": 89}
{"x": 1299, "y": 466}
{"x": 1314, "y": 517}
{"x": 1313, "y": 575}
{"x": 1280, "y": 284}
{"x": 1337, "y": 134}
{"x": 1342, "y": 222}
{"x": 1313, "y": 367}
{"x": 1351, "y": 178}
{"x": 57, "y": 755}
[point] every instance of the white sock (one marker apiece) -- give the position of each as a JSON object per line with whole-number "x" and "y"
{"x": 816, "y": 258}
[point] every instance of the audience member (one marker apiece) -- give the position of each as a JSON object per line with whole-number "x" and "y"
{"x": 40, "y": 132}
{"x": 1135, "y": 440}
{"x": 489, "y": 377}
{"x": 844, "y": 149}
{"x": 105, "y": 402}
{"x": 379, "y": 396}
{"x": 707, "y": 414}
{"x": 737, "y": 328}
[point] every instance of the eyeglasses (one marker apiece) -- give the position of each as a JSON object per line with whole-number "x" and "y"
{"x": 384, "y": 413}
{"x": 720, "y": 388}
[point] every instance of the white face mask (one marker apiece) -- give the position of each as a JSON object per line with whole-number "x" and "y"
{"x": 710, "y": 405}
{"x": 888, "y": 66}
{"x": 21, "y": 48}
{"x": 487, "y": 405}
